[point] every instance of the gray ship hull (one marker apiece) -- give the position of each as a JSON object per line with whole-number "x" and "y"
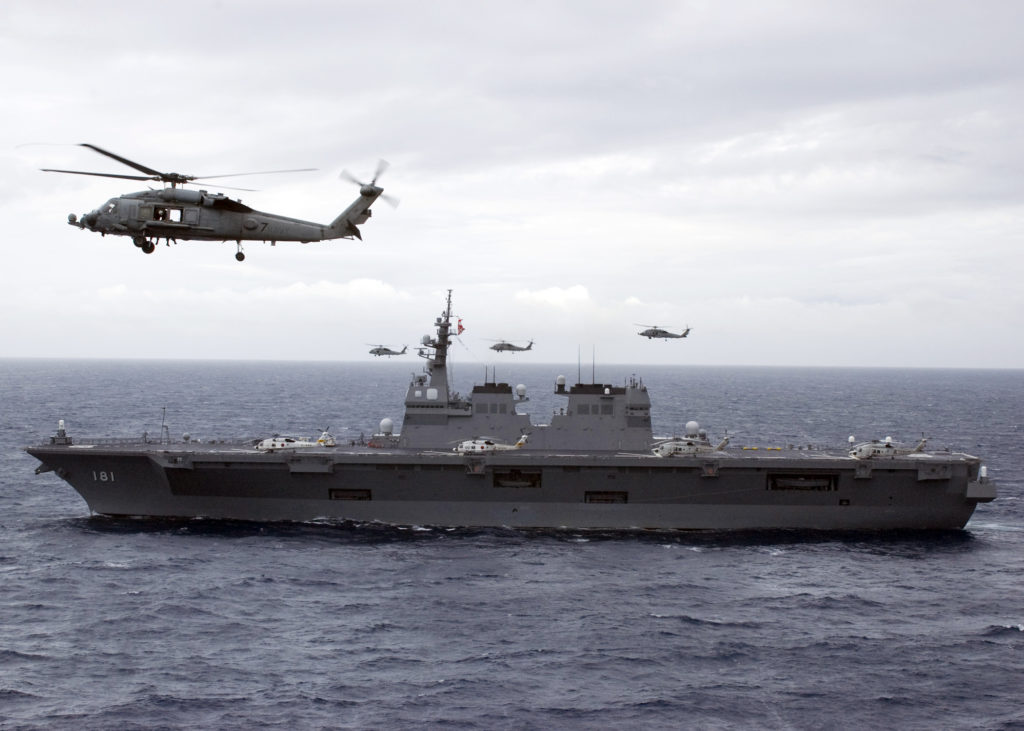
{"x": 525, "y": 488}
{"x": 596, "y": 465}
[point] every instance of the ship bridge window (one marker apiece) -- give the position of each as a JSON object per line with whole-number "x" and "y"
{"x": 606, "y": 409}
{"x": 583, "y": 409}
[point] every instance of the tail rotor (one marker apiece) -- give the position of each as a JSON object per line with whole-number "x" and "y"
{"x": 371, "y": 187}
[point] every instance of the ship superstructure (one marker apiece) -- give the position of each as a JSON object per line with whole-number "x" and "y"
{"x": 595, "y": 417}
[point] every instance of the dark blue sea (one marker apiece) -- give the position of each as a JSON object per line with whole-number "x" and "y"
{"x": 124, "y": 624}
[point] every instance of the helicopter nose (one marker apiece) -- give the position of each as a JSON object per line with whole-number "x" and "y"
{"x": 89, "y": 219}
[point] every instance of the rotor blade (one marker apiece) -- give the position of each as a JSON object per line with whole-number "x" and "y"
{"x": 102, "y": 175}
{"x": 261, "y": 172}
{"x": 346, "y": 175}
{"x": 228, "y": 187}
{"x": 120, "y": 159}
{"x": 390, "y": 200}
{"x": 382, "y": 165}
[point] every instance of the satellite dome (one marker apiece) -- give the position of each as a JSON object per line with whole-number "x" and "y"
{"x": 386, "y": 426}
{"x": 691, "y": 428}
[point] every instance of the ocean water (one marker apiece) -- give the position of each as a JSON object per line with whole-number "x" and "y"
{"x": 160, "y": 624}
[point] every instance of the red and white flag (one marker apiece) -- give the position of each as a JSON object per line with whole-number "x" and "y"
{"x": 460, "y": 327}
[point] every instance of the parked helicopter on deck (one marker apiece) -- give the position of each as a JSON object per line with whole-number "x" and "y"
{"x": 479, "y": 445}
{"x": 174, "y": 213}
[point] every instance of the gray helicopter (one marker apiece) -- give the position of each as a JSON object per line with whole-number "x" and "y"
{"x": 174, "y": 214}
{"x": 653, "y": 331}
{"x": 379, "y": 350}
{"x": 503, "y": 345}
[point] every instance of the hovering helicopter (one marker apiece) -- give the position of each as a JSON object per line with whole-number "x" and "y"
{"x": 486, "y": 444}
{"x": 503, "y": 345}
{"x": 653, "y": 331}
{"x": 173, "y": 213}
{"x": 381, "y": 350}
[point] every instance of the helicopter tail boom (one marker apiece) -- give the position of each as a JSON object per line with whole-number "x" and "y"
{"x": 357, "y": 213}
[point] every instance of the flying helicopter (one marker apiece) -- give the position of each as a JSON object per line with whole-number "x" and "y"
{"x": 653, "y": 331}
{"x": 503, "y": 345}
{"x": 174, "y": 213}
{"x": 382, "y": 350}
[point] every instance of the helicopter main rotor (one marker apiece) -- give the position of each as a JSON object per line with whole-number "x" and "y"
{"x": 174, "y": 179}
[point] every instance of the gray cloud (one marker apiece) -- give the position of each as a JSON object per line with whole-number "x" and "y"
{"x": 576, "y": 167}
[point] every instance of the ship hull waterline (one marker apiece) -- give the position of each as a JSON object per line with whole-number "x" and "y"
{"x": 524, "y": 490}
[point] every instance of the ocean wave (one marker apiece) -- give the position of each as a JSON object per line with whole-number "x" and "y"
{"x": 1015, "y": 631}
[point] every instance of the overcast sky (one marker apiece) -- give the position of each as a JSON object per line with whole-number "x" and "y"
{"x": 802, "y": 183}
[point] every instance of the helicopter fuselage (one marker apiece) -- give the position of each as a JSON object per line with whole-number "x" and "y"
{"x": 179, "y": 214}
{"x": 174, "y": 213}
{"x": 656, "y": 332}
{"x": 504, "y": 346}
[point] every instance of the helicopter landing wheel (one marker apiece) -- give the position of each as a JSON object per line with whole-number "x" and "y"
{"x": 138, "y": 241}
{"x": 148, "y": 247}
{"x": 240, "y": 256}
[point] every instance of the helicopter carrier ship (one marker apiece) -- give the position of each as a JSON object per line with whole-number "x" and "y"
{"x": 596, "y": 465}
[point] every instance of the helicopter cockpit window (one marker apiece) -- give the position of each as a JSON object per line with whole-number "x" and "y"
{"x": 111, "y": 206}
